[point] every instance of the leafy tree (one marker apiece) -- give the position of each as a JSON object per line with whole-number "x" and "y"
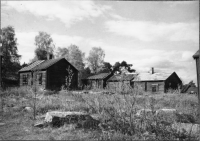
{"x": 44, "y": 44}
{"x": 106, "y": 68}
{"x": 10, "y": 62}
{"x": 73, "y": 54}
{"x": 123, "y": 66}
{"x": 96, "y": 58}
{"x": 76, "y": 57}
{"x": 62, "y": 52}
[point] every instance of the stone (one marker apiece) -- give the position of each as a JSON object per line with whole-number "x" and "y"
{"x": 28, "y": 109}
{"x": 166, "y": 112}
{"x": 81, "y": 119}
{"x": 188, "y": 127}
{"x": 1, "y": 124}
{"x": 185, "y": 118}
{"x": 40, "y": 124}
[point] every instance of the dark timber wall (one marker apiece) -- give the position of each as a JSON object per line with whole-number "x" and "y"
{"x": 173, "y": 82}
{"x": 57, "y": 73}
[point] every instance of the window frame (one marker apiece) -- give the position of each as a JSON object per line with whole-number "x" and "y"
{"x": 24, "y": 79}
{"x": 40, "y": 78}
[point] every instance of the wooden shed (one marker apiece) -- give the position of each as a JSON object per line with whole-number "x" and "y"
{"x": 97, "y": 81}
{"x": 158, "y": 82}
{"x": 120, "y": 82}
{"x": 189, "y": 88}
{"x": 49, "y": 74}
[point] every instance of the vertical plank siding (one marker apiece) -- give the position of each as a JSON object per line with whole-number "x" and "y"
{"x": 57, "y": 76}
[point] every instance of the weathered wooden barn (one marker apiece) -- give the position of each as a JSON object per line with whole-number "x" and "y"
{"x": 50, "y": 74}
{"x": 158, "y": 82}
{"x": 120, "y": 82}
{"x": 97, "y": 81}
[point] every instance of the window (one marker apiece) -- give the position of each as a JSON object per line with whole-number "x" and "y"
{"x": 154, "y": 87}
{"x": 25, "y": 79}
{"x": 40, "y": 78}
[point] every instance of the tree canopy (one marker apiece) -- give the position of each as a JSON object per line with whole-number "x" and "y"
{"x": 44, "y": 44}
{"x": 10, "y": 62}
{"x": 73, "y": 54}
{"x": 122, "y": 67}
{"x": 95, "y": 59}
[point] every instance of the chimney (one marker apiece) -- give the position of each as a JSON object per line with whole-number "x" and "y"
{"x": 49, "y": 56}
{"x": 152, "y": 70}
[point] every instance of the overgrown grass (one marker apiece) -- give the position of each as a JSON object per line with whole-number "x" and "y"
{"x": 117, "y": 113}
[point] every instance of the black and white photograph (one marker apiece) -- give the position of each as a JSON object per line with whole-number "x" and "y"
{"x": 99, "y": 70}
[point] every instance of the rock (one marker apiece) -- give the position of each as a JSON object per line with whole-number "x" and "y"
{"x": 40, "y": 124}
{"x": 1, "y": 124}
{"x": 185, "y": 118}
{"x": 81, "y": 119}
{"x": 146, "y": 112}
{"x": 28, "y": 109}
{"x": 16, "y": 108}
{"x": 166, "y": 111}
{"x": 188, "y": 127}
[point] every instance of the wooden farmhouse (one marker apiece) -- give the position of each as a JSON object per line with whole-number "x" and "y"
{"x": 196, "y": 57}
{"x": 120, "y": 82}
{"x": 158, "y": 82}
{"x": 97, "y": 81}
{"x": 50, "y": 74}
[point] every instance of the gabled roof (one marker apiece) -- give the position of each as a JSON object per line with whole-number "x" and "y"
{"x": 46, "y": 64}
{"x": 152, "y": 77}
{"x": 196, "y": 55}
{"x": 186, "y": 87}
{"x": 98, "y": 76}
{"x": 31, "y": 66}
{"x": 119, "y": 77}
{"x": 42, "y": 64}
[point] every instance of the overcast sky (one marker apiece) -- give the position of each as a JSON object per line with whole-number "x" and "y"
{"x": 163, "y": 35}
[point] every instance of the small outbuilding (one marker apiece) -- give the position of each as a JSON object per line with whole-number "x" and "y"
{"x": 49, "y": 74}
{"x": 120, "y": 82}
{"x": 189, "y": 88}
{"x": 97, "y": 81}
{"x": 158, "y": 82}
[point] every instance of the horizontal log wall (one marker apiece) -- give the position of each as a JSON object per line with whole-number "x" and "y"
{"x": 119, "y": 86}
{"x": 160, "y": 86}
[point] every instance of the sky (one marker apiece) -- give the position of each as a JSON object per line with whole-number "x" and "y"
{"x": 159, "y": 34}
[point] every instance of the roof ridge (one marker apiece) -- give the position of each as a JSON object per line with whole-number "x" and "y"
{"x": 31, "y": 66}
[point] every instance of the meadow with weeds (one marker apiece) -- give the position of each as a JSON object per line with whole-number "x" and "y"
{"x": 117, "y": 113}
